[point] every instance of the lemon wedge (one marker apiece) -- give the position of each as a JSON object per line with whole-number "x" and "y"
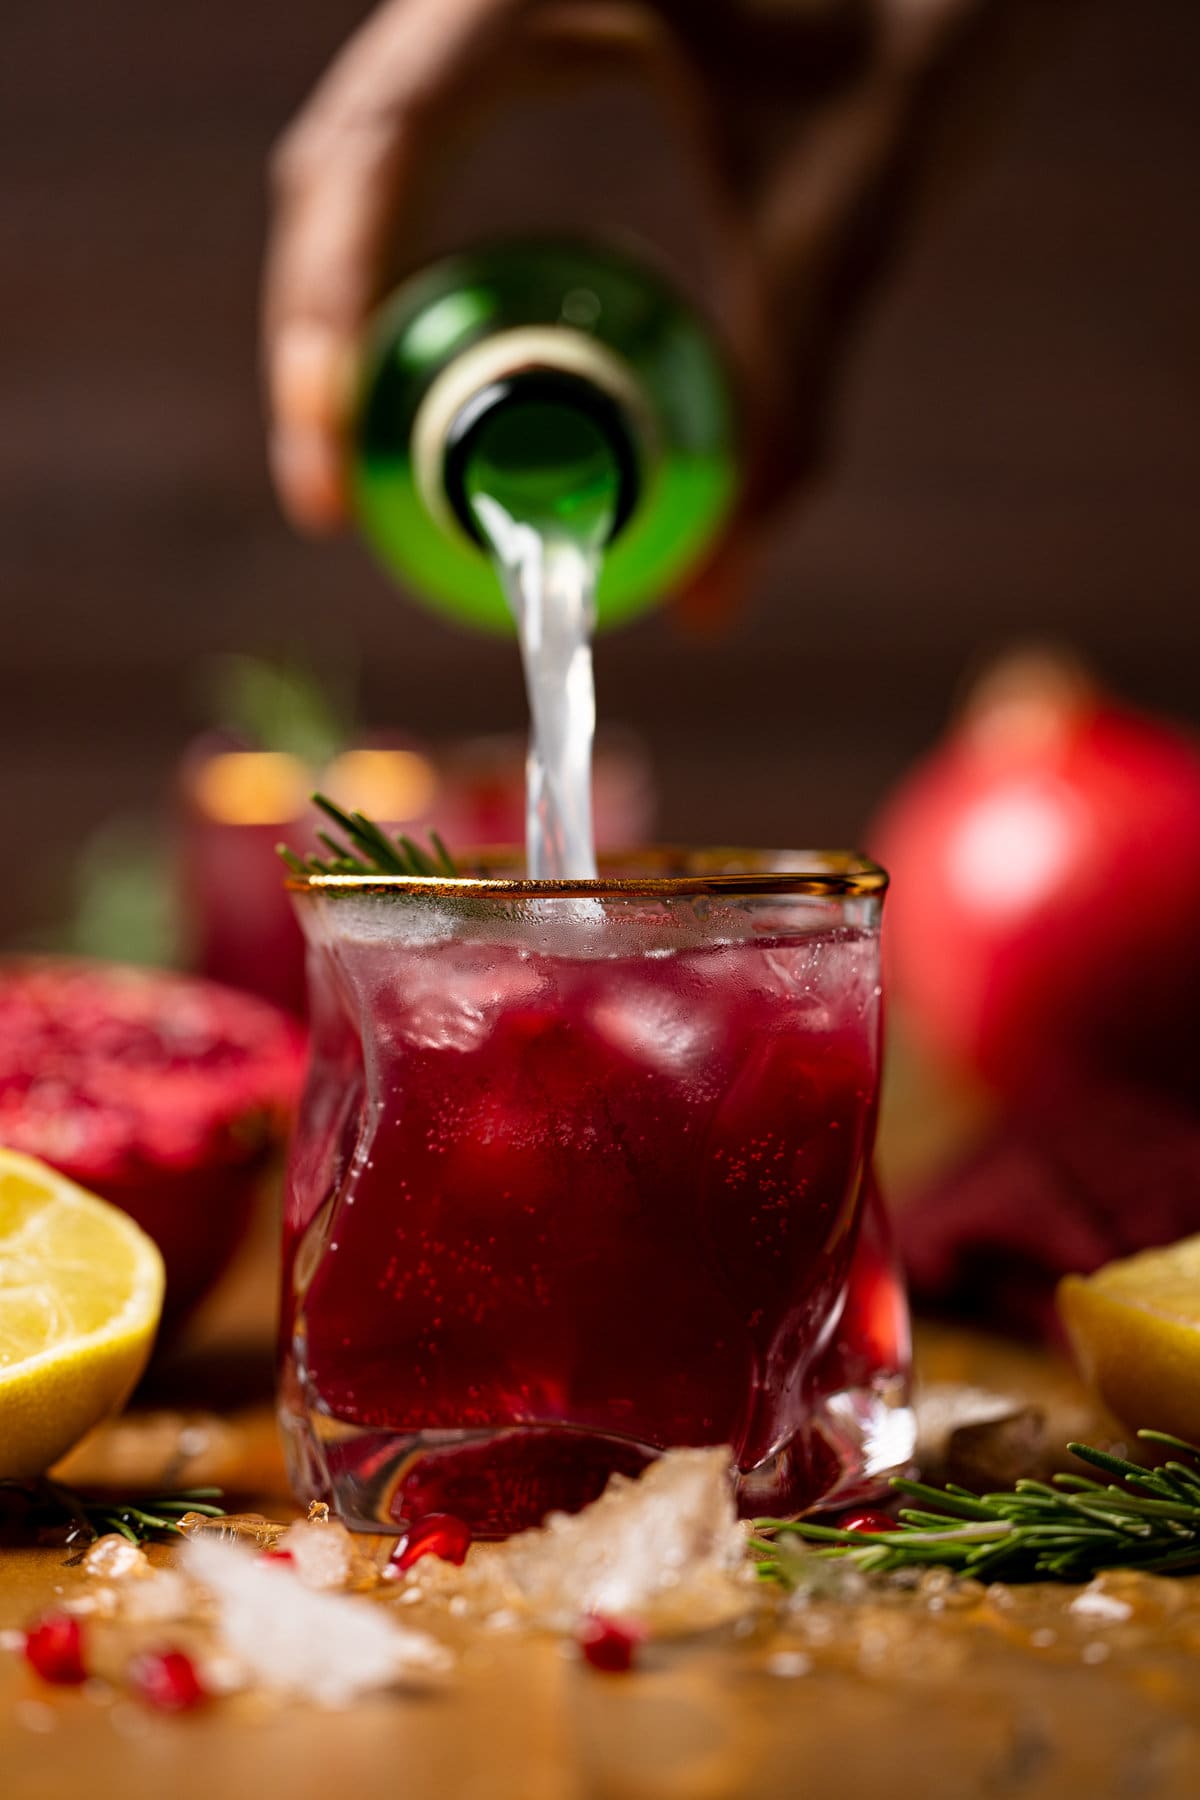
{"x": 1135, "y": 1329}
{"x": 81, "y": 1290}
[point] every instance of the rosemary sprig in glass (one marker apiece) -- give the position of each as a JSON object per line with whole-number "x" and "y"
{"x": 1066, "y": 1530}
{"x": 365, "y": 849}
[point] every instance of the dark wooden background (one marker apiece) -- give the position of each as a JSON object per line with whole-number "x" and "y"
{"x": 1017, "y": 445}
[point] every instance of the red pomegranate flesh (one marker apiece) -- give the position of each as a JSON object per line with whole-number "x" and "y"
{"x": 162, "y": 1093}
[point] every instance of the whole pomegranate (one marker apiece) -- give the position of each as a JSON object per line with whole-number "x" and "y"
{"x": 162, "y": 1093}
{"x": 1045, "y": 905}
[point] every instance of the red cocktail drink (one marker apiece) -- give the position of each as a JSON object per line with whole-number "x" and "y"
{"x": 580, "y": 1178}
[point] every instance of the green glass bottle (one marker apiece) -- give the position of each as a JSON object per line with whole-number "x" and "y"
{"x": 568, "y": 383}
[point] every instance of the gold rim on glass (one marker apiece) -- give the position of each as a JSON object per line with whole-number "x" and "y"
{"x": 669, "y": 872}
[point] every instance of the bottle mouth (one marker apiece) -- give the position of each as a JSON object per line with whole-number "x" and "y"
{"x": 553, "y": 448}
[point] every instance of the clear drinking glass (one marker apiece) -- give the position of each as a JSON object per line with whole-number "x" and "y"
{"x": 583, "y": 1173}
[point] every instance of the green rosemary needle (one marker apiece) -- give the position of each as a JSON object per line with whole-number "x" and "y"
{"x": 140, "y": 1521}
{"x": 1064, "y": 1530}
{"x": 366, "y": 849}
{"x": 152, "y": 1518}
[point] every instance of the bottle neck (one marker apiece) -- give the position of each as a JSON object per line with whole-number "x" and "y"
{"x": 549, "y": 450}
{"x": 543, "y": 424}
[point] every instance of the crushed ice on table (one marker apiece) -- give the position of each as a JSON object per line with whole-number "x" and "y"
{"x": 245, "y": 1528}
{"x": 1100, "y": 1606}
{"x": 124, "y": 1582}
{"x": 1121, "y": 1608}
{"x": 667, "y": 1545}
{"x": 788, "y": 1664}
{"x": 324, "y": 1647}
{"x": 167, "y": 1596}
{"x": 115, "y": 1559}
{"x": 325, "y": 1555}
{"x": 812, "y": 1577}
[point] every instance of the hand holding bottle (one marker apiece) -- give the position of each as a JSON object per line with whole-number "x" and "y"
{"x": 809, "y": 122}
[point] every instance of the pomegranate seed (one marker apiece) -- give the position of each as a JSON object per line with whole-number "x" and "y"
{"x": 277, "y": 1556}
{"x": 167, "y": 1679}
{"x": 437, "y": 1534}
{"x": 609, "y": 1644}
{"x": 54, "y": 1647}
{"x": 869, "y": 1520}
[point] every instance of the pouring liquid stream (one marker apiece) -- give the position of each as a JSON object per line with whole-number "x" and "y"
{"x": 550, "y": 585}
{"x": 542, "y": 486}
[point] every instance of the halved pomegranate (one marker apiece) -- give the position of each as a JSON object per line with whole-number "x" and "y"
{"x": 162, "y": 1093}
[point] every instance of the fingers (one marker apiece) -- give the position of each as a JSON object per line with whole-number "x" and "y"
{"x": 326, "y": 253}
{"x": 716, "y": 592}
{"x": 342, "y": 177}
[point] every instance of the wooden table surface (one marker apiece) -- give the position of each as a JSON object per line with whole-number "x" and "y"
{"x": 921, "y": 1693}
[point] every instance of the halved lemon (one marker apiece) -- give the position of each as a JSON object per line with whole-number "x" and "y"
{"x": 81, "y": 1291}
{"x": 1135, "y": 1329}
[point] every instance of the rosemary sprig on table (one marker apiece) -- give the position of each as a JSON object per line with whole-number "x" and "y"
{"x": 140, "y": 1522}
{"x": 1066, "y": 1530}
{"x": 365, "y": 849}
{"x": 152, "y": 1518}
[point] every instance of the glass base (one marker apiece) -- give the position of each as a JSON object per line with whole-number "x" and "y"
{"x": 858, "y": 1429}
{"x": 508, "y": 1480}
